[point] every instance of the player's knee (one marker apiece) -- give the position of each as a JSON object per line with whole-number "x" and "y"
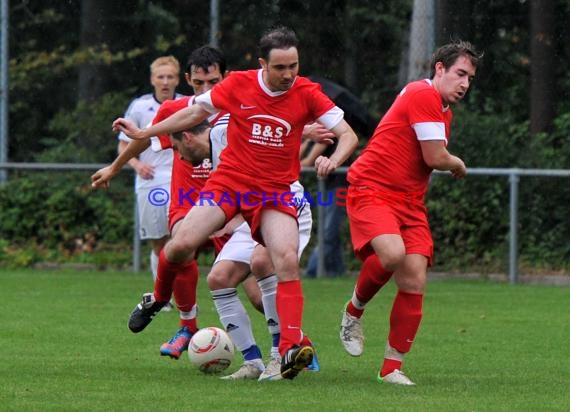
{"x": 261, "y": 265}
{"x": 178, "y": 251}
{"x": 287, "y": 265}
{"x": 217, "y": 280}
{"x": 392, "y": 258}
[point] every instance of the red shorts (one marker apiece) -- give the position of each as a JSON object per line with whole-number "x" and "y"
{"x": 369, "y": 218}
{"x": 236, "y": 193}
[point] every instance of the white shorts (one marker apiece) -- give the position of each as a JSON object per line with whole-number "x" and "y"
{"x": 153, "y": 218}
{"x": 241, "y": 245}
{"x": 304, "y": 216}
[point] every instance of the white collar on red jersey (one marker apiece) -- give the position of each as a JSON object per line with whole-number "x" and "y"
{"x": 443, "y": 108}
{"x": 266, "y": 89}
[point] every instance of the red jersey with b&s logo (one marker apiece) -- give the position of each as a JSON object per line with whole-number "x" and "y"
{"x": 265, "y": 128}
{"x": 393, "y": 159}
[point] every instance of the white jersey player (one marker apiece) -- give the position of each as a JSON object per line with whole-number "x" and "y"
{"x": 152, "y": 168}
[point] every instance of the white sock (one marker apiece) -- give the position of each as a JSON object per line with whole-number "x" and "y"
{"x": 268, "y": 287}
{"x": 234, "y": 318}
{"x": 275, "y": 352}
{"x": 356, "y": 303}
{"x": 153, "y": 264}
{"x": 391, "y": 353}
{"x": 189, "y": 315}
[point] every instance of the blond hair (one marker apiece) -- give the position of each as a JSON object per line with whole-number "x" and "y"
{"x": 164, "y": 61}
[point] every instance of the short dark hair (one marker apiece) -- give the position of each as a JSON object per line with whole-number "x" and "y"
{"x": 204, "y": 57}
{"x": 278, "y": 38}
{"x": 449, "y": 53}
{"x": 198, "y": 129}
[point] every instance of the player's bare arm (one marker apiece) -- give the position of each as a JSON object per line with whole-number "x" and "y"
{"x": 181, "y": 120}
{"x": 144, "y": 170}
{"x": 102, "y": 177}
{"x": 316, "y": 151}
{"x": 437, "y": 157}
{"x": 347, "y": 144}
{"x": 229, "y": 227}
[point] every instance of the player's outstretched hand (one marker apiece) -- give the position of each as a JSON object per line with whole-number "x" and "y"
{"x": 324, "y": 166}
{"x": 102, "y": 178}
{"x": 128, "y": 128}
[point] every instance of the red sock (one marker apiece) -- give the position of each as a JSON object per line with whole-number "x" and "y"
{"x": 405, "y": 320}
{"x": 290, "y": 311}
{"x": 191, "y": 324}
{"x": 389, "y": 366}
{"x": 185, "y": 285}
{"x": 350, "y": 308}
{"x": 404, "y": 323}
{"x": 166, "y": 273}
{"x": 305, "y": 341}
{"x": 370, "y": 280}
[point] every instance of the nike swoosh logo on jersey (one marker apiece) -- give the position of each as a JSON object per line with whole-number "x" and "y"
{"x": 245, "y": 107}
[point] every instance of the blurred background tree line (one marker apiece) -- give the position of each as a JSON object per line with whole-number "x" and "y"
{"x": 75, "y": 65}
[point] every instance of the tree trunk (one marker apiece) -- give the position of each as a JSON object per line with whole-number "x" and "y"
{"x": 422, "y": 40}
{"x": 542, "y": 71}
{"x": 351, "y": 50}
{"x": 92, "y": 16}
{"x": 103, "y": 24}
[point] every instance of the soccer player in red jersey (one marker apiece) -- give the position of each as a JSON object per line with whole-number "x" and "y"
{"x": 385, "y": 201}
{"x": 269, "y": 108}
{"x": 206, "y": 67}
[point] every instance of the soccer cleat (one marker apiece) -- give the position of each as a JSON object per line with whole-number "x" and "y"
{"x": 314, "y": 366}
{"x": 396, "y": 377}
{"x": 246, "y": 371}
{"x": 178, "y": 344}
{"x": 351, "y": 334}
{"x": 143, "y": 313}
{"x": 272, "y": 371}
{"x": 295, "y": 360}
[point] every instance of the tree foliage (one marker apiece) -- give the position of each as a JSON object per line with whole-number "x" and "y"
{"x": 75, "y": 64}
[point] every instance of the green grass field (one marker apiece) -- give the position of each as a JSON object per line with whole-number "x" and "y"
{"x": 482, "y": 347}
